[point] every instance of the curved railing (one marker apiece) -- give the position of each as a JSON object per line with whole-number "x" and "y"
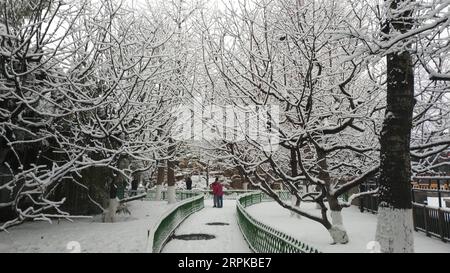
{"x": 180, "y": 195}
{"x": 161, "y": 231}
{"x": 262, "y": 238}
{"x": 227, "y": 194}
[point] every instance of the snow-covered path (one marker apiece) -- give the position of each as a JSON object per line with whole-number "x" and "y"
{"x": 228, "y": 239}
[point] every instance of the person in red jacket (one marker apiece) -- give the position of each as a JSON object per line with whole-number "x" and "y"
{"x": 219, "y": 193}
{"x": 213, "y": 187}
{"x": 217, "y": 189}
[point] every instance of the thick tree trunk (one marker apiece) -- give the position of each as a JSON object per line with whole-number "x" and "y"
{"x": 294, "y": 172}
{"x": 112, "y": 209}
{"x": 395, "y": 225}
{"x": 294, "y": 163}
{"x": 207, "y": 174}
{"x": 295, "y": 202}
{"x": 394, "y": 228}
{"x": 171, "y": 194}
{"x": 119, "y": 182}
{"x": 335, "y": 208}
{"x": 337, "y": 230}
{"x": 159, "y": 182}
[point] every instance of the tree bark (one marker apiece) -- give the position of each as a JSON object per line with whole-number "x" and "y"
{"x": 337, "y": 230}
{"x": 171, "y": 194}
{"x": 159, "y": 181}
{"x": 207, "y": 174}
{"x": 395, "y": 226}
{"x": 294, "y": 172}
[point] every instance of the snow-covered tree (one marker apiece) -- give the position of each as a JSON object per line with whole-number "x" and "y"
{"x": 79, "y": 100}
{"x": 284, "y": 53}
{"x": 410, "y": 35}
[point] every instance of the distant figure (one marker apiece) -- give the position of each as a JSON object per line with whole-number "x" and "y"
{"x": 188, "y": 181}
{"x": 217, "y": 189}
{"x": 134, "y": 186}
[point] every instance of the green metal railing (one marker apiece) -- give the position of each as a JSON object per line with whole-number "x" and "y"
{"x": 262, "y": 238}
{"x": 161, "y": 231}
{"x": 227, "y": 194}
{"x": 180, "y": 195}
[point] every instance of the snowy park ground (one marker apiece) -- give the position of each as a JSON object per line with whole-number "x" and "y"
{"x": 127, "y": 234}
{"x": 361, "y": 229}
{"x": 229, "y": 238}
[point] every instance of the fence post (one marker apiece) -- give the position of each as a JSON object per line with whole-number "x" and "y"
{"x": 425, "y": 215}
{"x": 441, "y": 223}
{"x": 414, "y": 217}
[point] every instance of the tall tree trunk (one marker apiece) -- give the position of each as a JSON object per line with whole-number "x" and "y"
{"x": 119, "y": 182}
{"x": 207, "y": 174}
{"x": 159, "y": 181}
{"x": 395, "y": 224}
{"x": 294, "y": 172}
{"x": 171, "y": 194}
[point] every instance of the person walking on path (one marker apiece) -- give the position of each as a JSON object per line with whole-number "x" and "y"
{"x": 214, "y": 187}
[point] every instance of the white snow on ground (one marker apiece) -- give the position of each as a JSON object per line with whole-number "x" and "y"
{"x": 228, "y": 239}
{"x": 127, "y": 234}
{"x": 361, "y": 229}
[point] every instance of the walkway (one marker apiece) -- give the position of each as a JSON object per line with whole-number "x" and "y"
{"x": 228, "y": 238}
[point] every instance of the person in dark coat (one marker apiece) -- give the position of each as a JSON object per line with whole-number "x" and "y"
{"x": 188, "y": 181}
{"x": 134, "y": 186}
{"x": 112, "y": 191}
